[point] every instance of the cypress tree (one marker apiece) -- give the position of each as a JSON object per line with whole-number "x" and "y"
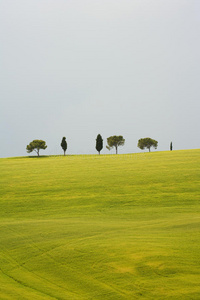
{"x": 99, "y": 143}
{"x": 64, "y": 144}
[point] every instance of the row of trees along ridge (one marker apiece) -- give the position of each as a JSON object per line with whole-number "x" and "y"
{"x": 112, "y": 141}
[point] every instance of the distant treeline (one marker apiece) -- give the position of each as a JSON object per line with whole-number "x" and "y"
{"x": 112, "y": 142}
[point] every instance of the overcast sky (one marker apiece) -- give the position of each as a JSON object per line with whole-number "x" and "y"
{"x": 77, "y": 68}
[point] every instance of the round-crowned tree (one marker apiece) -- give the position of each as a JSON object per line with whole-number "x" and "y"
{"x": 115, "y": 141}
{"x": 147, "y": 143}
{"x": 36, "y": 145}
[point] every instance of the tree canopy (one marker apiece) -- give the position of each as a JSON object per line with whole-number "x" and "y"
{"x": 64, "y": 144}
{"x": 147, "y": 143}
{"x": 99, "y": 143}
{"x": 115, "y": 141}
{"x": 36, "y": 145}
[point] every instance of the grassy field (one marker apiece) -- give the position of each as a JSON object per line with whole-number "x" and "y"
{"x": 101, "y": 227}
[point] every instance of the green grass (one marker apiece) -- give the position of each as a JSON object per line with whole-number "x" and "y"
{"x": 100, "y": 227}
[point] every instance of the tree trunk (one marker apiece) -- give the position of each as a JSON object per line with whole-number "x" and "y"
{"x": 116, "y": 149}
{"x": 64, "y": 153}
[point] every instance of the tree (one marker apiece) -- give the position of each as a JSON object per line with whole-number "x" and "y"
{"x": 147, "y": 143}
{"x": 115, "y": 141}
{"x": 64, "y": 144}
{"x": 171, "y": 147}
{"x": 99, "y": 143}
{"x": 36, "y": 145}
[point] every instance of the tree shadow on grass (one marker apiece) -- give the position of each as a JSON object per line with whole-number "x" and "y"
{"x": 39, "y": 157}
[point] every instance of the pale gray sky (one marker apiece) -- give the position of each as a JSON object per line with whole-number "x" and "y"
{"x": 77, "y": 68}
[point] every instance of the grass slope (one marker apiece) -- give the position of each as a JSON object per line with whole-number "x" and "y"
{"x": 100, "y": 227}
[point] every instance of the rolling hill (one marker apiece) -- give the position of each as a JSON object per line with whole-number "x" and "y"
{"x": 100, "y": 226}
